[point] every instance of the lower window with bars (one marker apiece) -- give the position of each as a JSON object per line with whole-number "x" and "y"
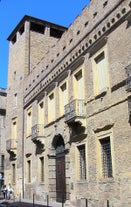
{"x": 106, "y": 157}
{"x": 82, "y": 162}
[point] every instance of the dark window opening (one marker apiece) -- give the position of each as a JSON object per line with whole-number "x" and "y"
{"x": 71, "y": 40}
{"x": 37, "y": 28}
{"x": 105, "y": 3}
{"x": 2, "y": 112}
{"x": 14, "y": 75}
{"x": 82, "y": 161}
{"x": 13, "y": 173}
{"x": 21, "y": 30}
{"x": 95, "y": 14}
{"x": 58, "y": 144}
{"x": 106, "y": 157}
{"x": 2, "y": 162}
{"x": 100, "y": 58}
{"x": 78, "y": 32}
{"x": 128, "y": 77}
{"x": 42, "y": 169}
{"x": 29, "y": 170}
{"x": 86, "y": 24}
{"x": 55, "y": 33}
{"x": 13, "y": 40}
{"x": 3, "y": 93}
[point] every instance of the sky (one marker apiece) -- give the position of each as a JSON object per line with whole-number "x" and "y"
{"x": 61, "y": 12}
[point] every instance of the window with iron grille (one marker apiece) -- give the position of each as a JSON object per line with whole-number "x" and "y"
{"x": 2, "y": 162}
{"x": 106, "y": 157}
{"x": 13, "y": 173}
{"x": 82, "y": 162}
{"x": 42, "y": 169}
{"x": 29, "y": 171}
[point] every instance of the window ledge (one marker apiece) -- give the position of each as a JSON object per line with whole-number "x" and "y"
{"x": 82, "y": 181}
{"x": 101, "y": 94}
{"x": 28, "y": 136}
{"x": 54, "y": 121}
{"x": 106, "y": 180}
{"x": 41, "y": 183}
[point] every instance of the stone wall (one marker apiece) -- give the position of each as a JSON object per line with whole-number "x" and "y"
{"x": 105, "y": 24}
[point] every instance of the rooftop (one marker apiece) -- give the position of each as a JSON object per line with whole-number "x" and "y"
{"x": 36, "y": 21}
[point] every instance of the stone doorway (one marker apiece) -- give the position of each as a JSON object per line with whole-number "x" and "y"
{"x": 59, "y": 145}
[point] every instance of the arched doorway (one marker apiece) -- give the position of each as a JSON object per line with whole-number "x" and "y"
{"x": 59, "y": 145}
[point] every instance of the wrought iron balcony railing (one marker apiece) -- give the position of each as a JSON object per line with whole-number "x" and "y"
{"x": 75, "y": 109}
{"x": 37, "y": 131}
{"x": 11, "y": 145}
{"x": 128, "y": 80}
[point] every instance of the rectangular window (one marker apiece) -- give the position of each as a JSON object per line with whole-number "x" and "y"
{"x": 100, "y": 69}
{"x": 29, "y": 121}
{"x": 41, "y": 118}
{"x": 2, "y": 162}
{"x": 29, "y": 171}
{"x": 106, "y": 158}
{"x": 14, "y": 75}
{"x": 82, "y": 162}
{"x": 14, "y": 132}
{"x": 15, "y": 99}
{"x": 13, "y": 173}
{"x": 41, "y": 169}
{"x": 3, "y": 122}
{"x": 51, "y": 108}
{"x": 41, "y": 113}
{"x": 78, "y": 85}
{"x": 63, "y": 97}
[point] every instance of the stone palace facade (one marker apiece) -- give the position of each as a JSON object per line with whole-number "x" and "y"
{"x": 3, "y": 95}
{"x": 68, "y": 123}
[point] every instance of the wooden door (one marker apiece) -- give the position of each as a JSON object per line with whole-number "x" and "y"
{"x": 60, "y": 179}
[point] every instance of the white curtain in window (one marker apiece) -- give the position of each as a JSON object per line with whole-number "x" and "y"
{"x": 51, "y": 106}
{"x": 102, "y": 73}
{"x": 63, "y": 97}
{"x": 79, "y": 86}
{"x": 41, "y": 113}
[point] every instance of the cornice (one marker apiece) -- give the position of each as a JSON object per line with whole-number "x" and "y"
{"x": 95, "y": 36}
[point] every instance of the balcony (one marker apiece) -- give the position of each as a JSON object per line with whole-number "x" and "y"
{"x": 11, "y": 146}
{"x": 75, "y": 111}
{"x": 37, "y": 132}
{"x": 128, "y": 79}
